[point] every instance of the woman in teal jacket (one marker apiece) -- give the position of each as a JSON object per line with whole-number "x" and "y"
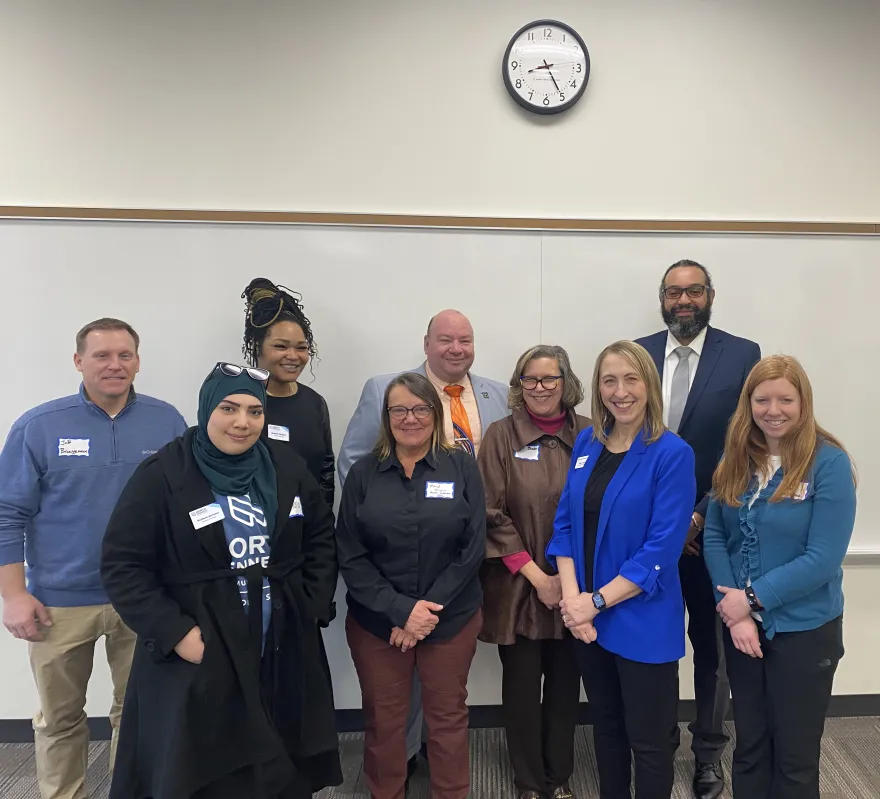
{"x": 777, "y": 530}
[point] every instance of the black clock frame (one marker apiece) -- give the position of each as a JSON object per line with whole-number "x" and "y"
{"x": 535, "y": 109}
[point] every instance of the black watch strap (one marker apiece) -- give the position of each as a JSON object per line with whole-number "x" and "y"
{"x": 754, "y": 604}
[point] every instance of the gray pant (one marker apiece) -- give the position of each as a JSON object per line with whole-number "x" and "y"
{"x": 415, "y": 722}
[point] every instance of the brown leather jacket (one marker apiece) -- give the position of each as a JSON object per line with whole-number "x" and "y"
{"x": 521, "y": 499}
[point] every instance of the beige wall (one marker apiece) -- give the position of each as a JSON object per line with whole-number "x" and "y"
{"x": 695, "y": 108}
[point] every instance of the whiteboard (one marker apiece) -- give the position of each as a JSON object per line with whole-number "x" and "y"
{"x": 369, "y": 293}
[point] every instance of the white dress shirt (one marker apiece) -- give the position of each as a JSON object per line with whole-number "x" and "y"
{"x": 672, "y": 343}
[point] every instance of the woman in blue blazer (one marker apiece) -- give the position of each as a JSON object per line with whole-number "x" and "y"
{"x": 777, "y": 529}
{"x": 618, "y": 534}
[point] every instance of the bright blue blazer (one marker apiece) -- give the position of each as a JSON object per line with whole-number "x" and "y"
{"x": 643, "y": 523}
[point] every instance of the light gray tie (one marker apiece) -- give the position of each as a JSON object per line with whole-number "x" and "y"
{"x": 681, "y": 381}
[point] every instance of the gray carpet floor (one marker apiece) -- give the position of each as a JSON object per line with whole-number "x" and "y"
{"x": 850, "y": 766}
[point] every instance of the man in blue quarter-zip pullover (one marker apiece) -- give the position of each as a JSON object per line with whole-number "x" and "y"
{"x": 62, "y": 469}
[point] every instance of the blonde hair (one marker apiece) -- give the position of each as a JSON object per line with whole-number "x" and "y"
{"x": 425, "y": 391}
{"x": 745, "y": 447}
{"x": 640, "y": 360}
{"x": 572, "y": 390}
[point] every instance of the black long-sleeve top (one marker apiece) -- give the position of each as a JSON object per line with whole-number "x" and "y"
{"x": 303, "y": 419}
{"x": 404, "y": 539}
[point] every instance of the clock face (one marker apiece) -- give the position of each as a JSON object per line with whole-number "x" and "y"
{"x": 546, "y": 67}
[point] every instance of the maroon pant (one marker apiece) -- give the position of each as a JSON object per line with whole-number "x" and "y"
{"x": 385, "y": 674}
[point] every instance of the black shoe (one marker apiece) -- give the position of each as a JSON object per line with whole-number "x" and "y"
{"x": 708, "y": 781}
{"x": 412, "y": 766}
{"x": 563, "y": 792}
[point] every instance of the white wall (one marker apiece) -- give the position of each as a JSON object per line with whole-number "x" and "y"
{"x": 695, "y": 109}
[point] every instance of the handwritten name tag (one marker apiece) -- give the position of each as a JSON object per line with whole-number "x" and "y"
{"x": 579, "y": 463}
{"x": 439, "y": 490}
{"x": 73, "y": 446}
{"x": 801, "y": 493}
{"x": 297, "y": 509}
{"x": 529, "y": 453}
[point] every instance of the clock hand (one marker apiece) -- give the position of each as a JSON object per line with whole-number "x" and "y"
{"x": 547, "y": 66}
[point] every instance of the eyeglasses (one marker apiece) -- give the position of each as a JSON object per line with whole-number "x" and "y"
{"x": 694, "y": 292}
{"x": 234, "y": 370}
{"x": 399, "y": 412}
{"x": 548, "y": 382}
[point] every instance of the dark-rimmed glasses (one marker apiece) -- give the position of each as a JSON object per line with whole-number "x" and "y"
{"x": 420, "y": 412}
{"x": 549, "y": 382}
{"x": 694, "y": 292}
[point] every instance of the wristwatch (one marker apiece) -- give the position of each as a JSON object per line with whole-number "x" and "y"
{"x": 599, "y": 602}
{"x": 754, "y": 604}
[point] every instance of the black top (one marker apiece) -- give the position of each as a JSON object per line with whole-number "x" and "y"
{"x": 594, "y": 493}
{"x": 404, "y": 539}
{"x": 305, "y": 420}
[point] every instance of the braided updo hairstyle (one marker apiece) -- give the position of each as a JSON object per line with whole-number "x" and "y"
{"x": 267, "y": 304}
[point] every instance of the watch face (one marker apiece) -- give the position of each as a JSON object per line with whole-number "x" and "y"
{"x": 546, "y": 67}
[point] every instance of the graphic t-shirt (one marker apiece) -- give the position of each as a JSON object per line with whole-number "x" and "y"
{"x": 247, "y": 536}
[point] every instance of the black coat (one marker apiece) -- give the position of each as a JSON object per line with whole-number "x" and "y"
{"x": 237, "y": 724}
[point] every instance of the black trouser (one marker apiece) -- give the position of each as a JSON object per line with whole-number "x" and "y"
{"x": 633, "y": 707}
{"x": 540, "y": 730}
{"x": 779, "y": 707}
{"x": 711, "y": 687}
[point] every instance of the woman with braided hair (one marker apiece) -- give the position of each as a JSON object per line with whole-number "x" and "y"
{"x": 278, "y": 338}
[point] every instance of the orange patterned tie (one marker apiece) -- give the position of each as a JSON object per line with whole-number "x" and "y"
{"x": 461, "y": 427}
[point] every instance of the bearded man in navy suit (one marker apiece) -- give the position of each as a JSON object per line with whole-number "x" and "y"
{"x": 702, "y": 370}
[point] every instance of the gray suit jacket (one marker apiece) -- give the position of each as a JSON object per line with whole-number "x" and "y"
{"x": 363, "y": 429}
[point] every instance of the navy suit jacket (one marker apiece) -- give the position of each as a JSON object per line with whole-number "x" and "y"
{"x": 724, "y": 365}
{"x": 643, "y": 523}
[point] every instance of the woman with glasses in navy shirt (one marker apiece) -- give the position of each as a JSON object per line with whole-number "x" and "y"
{"x": 411, "y": 533}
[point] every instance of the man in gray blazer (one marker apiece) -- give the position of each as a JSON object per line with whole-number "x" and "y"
{"x": 449, "y": 354}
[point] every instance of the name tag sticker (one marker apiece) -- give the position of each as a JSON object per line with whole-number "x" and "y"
{"x": 579, "y": 463}
{"x": 278, "y": 432}
{"x": 530, "y": 452}
{"x": 73, "y": 446}
{"x": 801, "y": 493}
{"x": 202, "y": 517}
{"x": 439, "y": 490}
{"x": 297, "y": 509}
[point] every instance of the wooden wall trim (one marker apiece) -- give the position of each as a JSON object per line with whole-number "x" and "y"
{"x": 427, "y": 221}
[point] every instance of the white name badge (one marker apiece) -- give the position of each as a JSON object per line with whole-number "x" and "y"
{"x": 529, "y": 453}
{"x": 73, "y": 446}
{"x": 297, "y": 509}
{"x": 439, "y": 490}
{"x": 579, "y": 463}
{"x": 801, "y": 493}
{"x": 278, "y": 432}
{"x": 209, "y": 514}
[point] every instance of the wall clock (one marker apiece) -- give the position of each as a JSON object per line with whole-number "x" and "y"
{"x": 546, "y": 67}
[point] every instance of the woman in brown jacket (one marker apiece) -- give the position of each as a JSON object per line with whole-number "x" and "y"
{"x": 524, "y": 460}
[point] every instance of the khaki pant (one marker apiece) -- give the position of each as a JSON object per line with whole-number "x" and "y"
{"x": 62, "y": 664}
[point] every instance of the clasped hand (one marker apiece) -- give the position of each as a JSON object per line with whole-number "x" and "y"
{"x": 578, "y": 612}
{"x": 734, "y": 605}
{"x": 420, "y": 624}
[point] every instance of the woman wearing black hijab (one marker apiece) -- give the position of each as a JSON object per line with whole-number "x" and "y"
{"x": 221, "y": 556}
